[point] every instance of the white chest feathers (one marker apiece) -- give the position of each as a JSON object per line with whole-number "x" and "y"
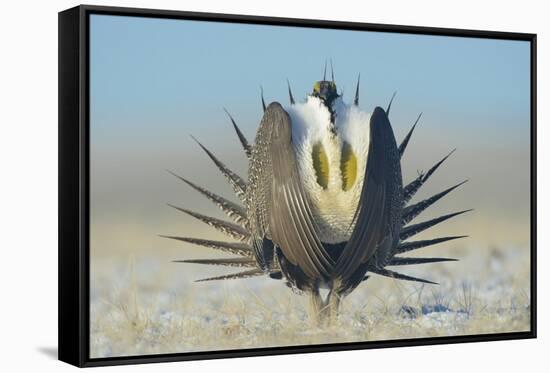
{"x": 331, "y": 161}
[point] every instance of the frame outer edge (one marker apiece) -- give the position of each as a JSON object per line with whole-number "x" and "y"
{"x": 534, "y": 186}
{"x": 73, "y": 285}
{"x": 70, "y": 302}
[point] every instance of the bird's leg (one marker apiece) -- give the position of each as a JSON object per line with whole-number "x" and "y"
{"x": 333, "y": 306}
{"x": 324, "y": 312}
{"x": 316, "y": 307}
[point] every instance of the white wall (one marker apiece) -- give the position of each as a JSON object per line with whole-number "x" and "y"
{"x": 28, "y": 197}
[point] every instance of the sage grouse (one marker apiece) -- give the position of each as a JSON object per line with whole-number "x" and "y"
{"x": 324, "y": 205}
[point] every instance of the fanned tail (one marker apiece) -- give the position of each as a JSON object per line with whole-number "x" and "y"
{"x": 239, "y": 230}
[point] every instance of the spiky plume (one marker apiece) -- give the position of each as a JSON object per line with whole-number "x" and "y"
{"x": 244, "y": 142}
{"x": 400, "y": 276}
{"x": 405, "y": 141}
{"x": 412, "y": 230}
{"x": 356, "y": 99}
{"x": 404, "y": 247}
{"x": 410, "y": 212}
{"x": 236, "y": 248}
{"x": 238, "y": 184}
{"x": 232, "y": 210}
{"x": 232, "y": 230}
{"x": 291, "y": 98}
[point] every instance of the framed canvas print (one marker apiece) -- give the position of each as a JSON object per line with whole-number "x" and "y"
{"x": 236, "y": 186}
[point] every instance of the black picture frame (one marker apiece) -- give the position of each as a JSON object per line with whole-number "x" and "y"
{"x": 74, "y": 320}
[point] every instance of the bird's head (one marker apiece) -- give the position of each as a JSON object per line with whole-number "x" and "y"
{"x": 326, "y": 91}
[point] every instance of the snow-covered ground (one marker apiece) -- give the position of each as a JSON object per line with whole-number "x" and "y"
{"x": 142, "y": 305}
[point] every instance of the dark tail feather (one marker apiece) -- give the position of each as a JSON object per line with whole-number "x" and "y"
{"x": 232, "y": 210}
{"x": 400, "y": 276}
{"x": 356, "y": 100}
{"x": 244, "y": 142}
{"x": 436, "y": 166}
{"x": 238, "y": 184}
{"x": 397, "y": 261}
{"x": 292, "y": 102}
{"x": 410, "y": 189}
{"x": 245, "y": 274}
{"x": 262, "y": 96}
{"x": 233, "y": 230}
{"x": 417, "y": 228}
{"x": 227, "y": 262}
{"x": 235, "y": 248}
{"x": 405, "y": 141}
{"x": 389, "y": 105}
{"x": 410, "y": 212}
{"x": 414, "y": 245}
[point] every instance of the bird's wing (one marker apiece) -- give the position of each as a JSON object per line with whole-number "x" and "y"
{"x": 285, "y": 215}
{"x": 379, "y": 207}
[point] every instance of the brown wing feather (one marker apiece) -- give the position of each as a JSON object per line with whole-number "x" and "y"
{"x": 378, "y": 213}
{"x": 286, "y": 210}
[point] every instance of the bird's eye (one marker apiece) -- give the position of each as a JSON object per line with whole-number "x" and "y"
{"x": 320, "y": 164}
{"x": 348, "y": 167}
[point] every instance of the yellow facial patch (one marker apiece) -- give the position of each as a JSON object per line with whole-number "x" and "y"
{"x": 348, "y": 167}
{"x": 320, "y": 165}
{"x": 326, "y": 85}
{"x": 317, "y": 87}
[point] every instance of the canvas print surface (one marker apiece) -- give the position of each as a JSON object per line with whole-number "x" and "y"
{"x": 264, "y": 186}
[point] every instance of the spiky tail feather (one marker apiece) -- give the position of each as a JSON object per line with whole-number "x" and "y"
{"x": 229, "y": 262}
{"x": 244, "y": 142}
{"x": 233, "y": 276}
{"x": 410, "y": 189}
{"x": 412, "y": 211}
{"x": 405, "y": 141}
{"x": 236, "y": 248}
{"x": 400, "y": 261}
{"x": 232, "y": 210}
{"x": 238, "y": 184}
{"x": 233, "y": 230}
{"x": 400, "y": 276}
{"x": 412, "y": 230}
{"x": 414, "y": 245}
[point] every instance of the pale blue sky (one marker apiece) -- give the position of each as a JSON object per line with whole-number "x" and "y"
{"x": 146, "y": 70}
